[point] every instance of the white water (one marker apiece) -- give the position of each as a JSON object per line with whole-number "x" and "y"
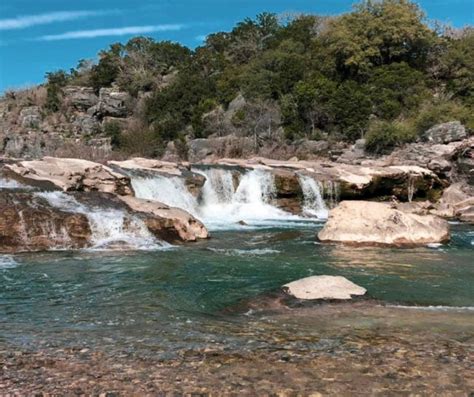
{"x": 313, "y": 204}
{"x": 221, "y": 205}
{"x": 170, "y": 191}
{"x": 111, "y": 228}
{"x": 9, "y": 184}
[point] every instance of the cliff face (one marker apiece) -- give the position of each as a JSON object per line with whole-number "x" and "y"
{"x": 28, "y": 130}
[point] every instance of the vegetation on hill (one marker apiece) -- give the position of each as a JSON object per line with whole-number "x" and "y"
{"x": 380, "y": 72}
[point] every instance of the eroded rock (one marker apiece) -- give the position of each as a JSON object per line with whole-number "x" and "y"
{"x": 372, "y": 223}
{"x": 166, "y": 222}
{"x": 70, "y": 175}
{"x": 29, "y": 223}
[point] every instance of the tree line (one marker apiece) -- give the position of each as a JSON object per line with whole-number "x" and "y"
{"x": 380, "y": 72}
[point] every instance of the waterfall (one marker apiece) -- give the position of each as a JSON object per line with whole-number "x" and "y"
{"x": 169, "y": 191}
{"x": 110, "y": 228}
{"x": 331, "y": 193}
{"x": 411, "y": 188}
{"x": 221, "y": 205}
{"x": 313, "y": 204}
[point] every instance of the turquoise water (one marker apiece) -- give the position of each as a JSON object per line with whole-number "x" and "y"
{"x": 183, "y": 297}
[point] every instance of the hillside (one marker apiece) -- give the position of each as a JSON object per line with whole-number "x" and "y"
{"x": 279, "y": 87}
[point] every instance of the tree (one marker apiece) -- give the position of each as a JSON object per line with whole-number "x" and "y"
{"x": 379, "y": 33}
{"x": 55, "y": 81}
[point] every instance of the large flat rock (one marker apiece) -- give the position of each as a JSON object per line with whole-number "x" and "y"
{"x": 70, "y": 175}
{"x": 323, "y": 287}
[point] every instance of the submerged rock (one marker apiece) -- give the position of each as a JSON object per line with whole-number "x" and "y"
{"x": 29, "y": 223}
{"x": 324, "y": 287}
{"x": 372, "y": 223}
{"x": 166, "y": 222}
{"x": 70, "y": 175}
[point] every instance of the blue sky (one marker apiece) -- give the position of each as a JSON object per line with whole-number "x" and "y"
{"x": 44, "y": 35}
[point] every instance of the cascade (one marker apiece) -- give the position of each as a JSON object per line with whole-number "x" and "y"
{"x": 169, "y": 191}
{"x": 251, "y": 202}
{"x": 109, "y": 227}
{"x": 313, "y": 204}
{"x": 331, "y": 193}
{"x": 411, "y": 188}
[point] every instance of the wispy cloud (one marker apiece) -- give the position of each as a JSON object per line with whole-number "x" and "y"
{"x": 201, "y": 37}
{"x": 26, "y": 21}
{"x": 126, "y": 30}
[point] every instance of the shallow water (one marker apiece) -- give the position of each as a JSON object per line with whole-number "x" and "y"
{"x": 193, "y": 296}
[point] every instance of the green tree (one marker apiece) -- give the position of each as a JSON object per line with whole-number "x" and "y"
{"x": 55, "y": 81}
{"x": 379, "y": 33}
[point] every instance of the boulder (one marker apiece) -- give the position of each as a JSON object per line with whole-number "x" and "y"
{"x": 324, "y": 287}
{"x": 457, "y": 201}
{"x": 29, "y": 223}
{"x": 70, "y": 175}
{"x": 166, "y": 222}
{"x": 81, "y": 98}
{"x": 446, "y": 133}
{"x": 30, "y": 117}
{"x": 373, "y": 223}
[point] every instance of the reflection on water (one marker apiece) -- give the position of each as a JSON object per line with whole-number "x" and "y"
{"x": 161, "y": 302}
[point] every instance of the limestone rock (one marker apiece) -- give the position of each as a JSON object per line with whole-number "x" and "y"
{"x": 167, "y": 222}
{"x": 446, "y": 132}
{"x": 324, "y": 287}
{"x": 457, "y": 201}
{"x": 30, "y": 117}
{"x": 81, "y": 98}
{"x": 373, "y": 223}
{"x": 84, "y": 124}
{"x": 112, "y": 102}
{"x": 28, "y": 223}
{"x": 70, "y": 175}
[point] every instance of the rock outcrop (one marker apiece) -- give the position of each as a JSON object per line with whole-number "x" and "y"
{"x": 29, "y": 223}
{"x": 372, "y": 223}
{"x": 70, "y": 175}
{"x": 323, "y": 287}
{"x": 353, "y": 181}
{"x": 167, "y": 223}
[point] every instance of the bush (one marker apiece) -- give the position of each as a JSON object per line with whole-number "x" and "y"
{"x": 383, "y": 136}
{"x": 114, "y": 131}
{"x": 443, "y": 111}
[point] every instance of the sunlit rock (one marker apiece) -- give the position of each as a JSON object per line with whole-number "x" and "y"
{"x": 324, "y": 287}
{"x": 373, "y": 223}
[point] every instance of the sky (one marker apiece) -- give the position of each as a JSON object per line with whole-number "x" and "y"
{"x": 37, "y": 36}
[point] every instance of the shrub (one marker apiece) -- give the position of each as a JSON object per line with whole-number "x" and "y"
{"x": 442, "y": 111}
{"x": 384, "y": 136}
{"x": 113, "y": 130}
